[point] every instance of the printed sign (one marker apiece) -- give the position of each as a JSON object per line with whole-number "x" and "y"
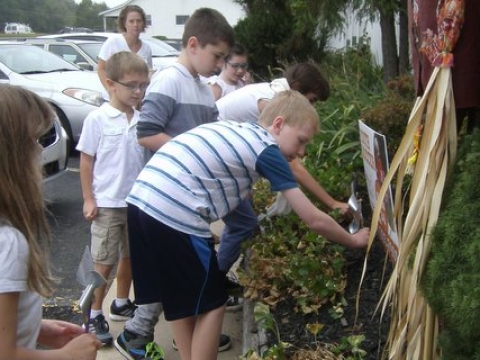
{"x": 375, "y": 163}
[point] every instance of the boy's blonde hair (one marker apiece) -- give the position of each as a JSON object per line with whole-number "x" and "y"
{"x": 125, "y": 62}
{"x": 210, "y": 27}
{"x": 24, "y": 118}
{"x": 293, "y": 107}
{"x": 122, "y": 17}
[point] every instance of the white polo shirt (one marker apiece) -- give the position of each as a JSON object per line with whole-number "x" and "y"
{"x": 112, "y": 140}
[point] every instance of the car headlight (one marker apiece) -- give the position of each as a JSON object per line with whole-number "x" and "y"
{"x": 91, "y": 97}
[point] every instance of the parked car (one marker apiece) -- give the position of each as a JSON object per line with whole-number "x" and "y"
{"x": 17, "y": 28}
{"x": 69, "y": 29}
{"x": 72, "y": 91}
{"x": 56, "y": 150}
{"x": 163, "y": 54}
{"x": 175, "y": 43}
{"x": 83, "y": 53}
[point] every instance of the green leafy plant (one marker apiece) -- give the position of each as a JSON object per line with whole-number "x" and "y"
{"x": 451, "y": 280}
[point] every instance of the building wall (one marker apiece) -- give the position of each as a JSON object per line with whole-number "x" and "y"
{"x": 164, "y": 14}
{"x": 356, "y": 31}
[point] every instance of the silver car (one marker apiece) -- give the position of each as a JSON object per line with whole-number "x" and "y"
{"x": 56, "y": 150}
{"x": 71, "y": 91}
{"x": 163, "y": 54}
{"x": 83, "y": 53}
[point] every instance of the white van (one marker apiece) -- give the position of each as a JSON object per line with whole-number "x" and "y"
{"x": 17, "y": 28}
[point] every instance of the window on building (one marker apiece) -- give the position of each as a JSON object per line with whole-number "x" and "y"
{"x": 149, "y": 20}
{"x": 181, "y": 19}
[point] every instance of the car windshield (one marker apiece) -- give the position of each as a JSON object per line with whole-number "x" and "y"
{"x": 92, "y": 49}
{"x": 160, "y": 48}
{"x": 25, "y": 59}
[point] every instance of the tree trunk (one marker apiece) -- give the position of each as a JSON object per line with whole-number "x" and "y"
{"x": 389, "y": 45}
{"x": 403, "y": 46}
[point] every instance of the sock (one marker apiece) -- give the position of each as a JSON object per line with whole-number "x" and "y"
{"x": 121, "y": 301}
{"x": 95, "y": 313}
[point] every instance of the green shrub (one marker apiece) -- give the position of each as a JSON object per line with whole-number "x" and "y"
{"x": 451, "y": 281}
{"x": 389, "y": 116}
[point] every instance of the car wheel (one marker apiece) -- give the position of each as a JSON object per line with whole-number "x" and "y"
{"x": 66, "y": 125}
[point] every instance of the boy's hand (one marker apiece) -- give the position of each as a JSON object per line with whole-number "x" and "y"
{"x": 343, "y": 207}
{"x": 360, "y": 238}
{"x": 90, "y": 210}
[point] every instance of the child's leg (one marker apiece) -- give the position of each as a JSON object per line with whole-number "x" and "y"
{"x": 108, "y": 232}
{"x": 240, "y": 225}
{"x": 124, "y": 278}
{"x": 197, "y": 337}
{"x": 99, "y": 293}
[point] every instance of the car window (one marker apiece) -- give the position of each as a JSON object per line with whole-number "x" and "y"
{"x": 26, "y": 58}
{"x": 91, "y": 49}
{"x": 67, "y": 52}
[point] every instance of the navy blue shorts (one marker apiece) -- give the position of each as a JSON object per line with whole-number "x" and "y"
{"x": 180, "y": 270}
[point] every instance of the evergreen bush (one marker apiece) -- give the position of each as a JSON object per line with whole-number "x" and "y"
{"x": 451, "y": 281}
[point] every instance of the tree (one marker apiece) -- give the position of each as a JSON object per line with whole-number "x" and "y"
{"x": 87, "y": 14}
{"x": 267, "y": 34}
{"x": 49, "y": 16}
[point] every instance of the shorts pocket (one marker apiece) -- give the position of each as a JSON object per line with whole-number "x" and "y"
{"x": 99, "y": 242}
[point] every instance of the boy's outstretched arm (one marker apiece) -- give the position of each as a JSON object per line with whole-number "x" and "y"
{"x": 308, "y": 182}
{"x": 322, "y": 223}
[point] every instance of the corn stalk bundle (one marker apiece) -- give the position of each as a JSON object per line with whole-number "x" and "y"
{"x": 423, "y": 160}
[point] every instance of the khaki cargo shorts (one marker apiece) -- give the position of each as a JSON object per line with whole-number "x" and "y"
{"x": 109, "y": 236}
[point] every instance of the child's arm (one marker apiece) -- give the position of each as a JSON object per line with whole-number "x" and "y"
{"x": 305, "y": 179}
{"x": 86, "y": 179}
{"x": 83, "y": 347}
{"x": 154, "y": 142}
{"x": 323, "y": 224}
{"x": 217, "y": 91}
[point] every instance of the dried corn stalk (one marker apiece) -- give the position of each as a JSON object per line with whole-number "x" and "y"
{"x": 414, "y": 327}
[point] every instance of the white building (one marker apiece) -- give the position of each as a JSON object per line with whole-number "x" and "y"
{"x": 357, "y": 32}
{"x": 167, "y": 18}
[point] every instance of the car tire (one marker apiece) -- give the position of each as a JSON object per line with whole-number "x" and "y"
{"x": 66, "y": 125}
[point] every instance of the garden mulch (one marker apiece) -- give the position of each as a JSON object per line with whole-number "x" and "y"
{"x": 292, "y": 326}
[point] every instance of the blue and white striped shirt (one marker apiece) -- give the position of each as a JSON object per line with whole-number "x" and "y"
{"x": 203, "y": 174}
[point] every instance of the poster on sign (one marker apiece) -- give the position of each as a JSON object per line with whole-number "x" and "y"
{"x": 375, "y": 163}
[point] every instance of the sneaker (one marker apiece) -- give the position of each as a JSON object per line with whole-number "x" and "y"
{"x": 132, "y": 346}
{"x": 122, "y": 313}
{"x": 99, "y": 326}
{"x": 224, "y": 343}
{"x": 234, "y": 303}
{"x": 233, "y": 286}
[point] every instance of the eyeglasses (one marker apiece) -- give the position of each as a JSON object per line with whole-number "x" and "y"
{"x": 133, "y": 87}
{"x": 237, "y": 66}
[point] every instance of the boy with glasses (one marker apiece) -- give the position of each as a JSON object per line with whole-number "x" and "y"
{"x": 110, "y": 160}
